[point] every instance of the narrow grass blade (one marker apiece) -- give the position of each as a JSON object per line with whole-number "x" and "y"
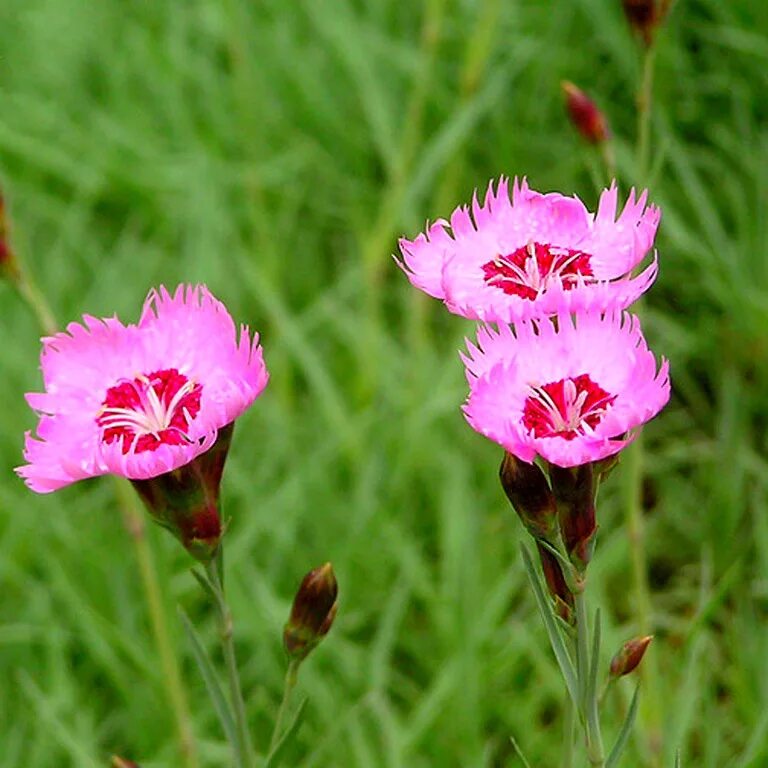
{"x": 212, "y": 684}
{"x": 626, "y": 729}
{"x": 519, "y": 752}
{"x": 594, "y": 661}
{"x": 277, "y": 754}
{"x": 678, "y": 760}
{"x": 555, "y": 638}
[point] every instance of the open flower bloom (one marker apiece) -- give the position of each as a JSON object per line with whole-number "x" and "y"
{"x": 534, "y": 255}
{"x": 140, "y": 400}
{"x": 571, "y": 391}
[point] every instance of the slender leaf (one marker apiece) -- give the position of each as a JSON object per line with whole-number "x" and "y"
{"x": 210, "y": 678}
{"x": 594, "y": 662}
{"x": 519, "y": 752}
{"x": 287, "y": 738}
{"x": 626, "y": 729}
{"x": 555, "y": 638}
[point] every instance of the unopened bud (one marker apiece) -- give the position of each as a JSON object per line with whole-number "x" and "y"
{"x": 121, "y": 762}
{"x": 645, "y": 16}
{"x": 186, "y": 500}
{"x": 588, "y": 120}
{"x": 8, "y": 266}
{"x": 528, "y": 491}
{"x": 574, "y": 489}
{"x": 558, "y": 589}
{"x": 314, "y": 609}
{"x": 629, "y": 656}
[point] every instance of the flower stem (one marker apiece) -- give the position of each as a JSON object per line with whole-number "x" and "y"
{"x": 36, "y": 301}
{"x": 644, "y": 102}
{"x": 569, "y": 722}
{"x": 588, "y": 702}
{"x": 290, "y": 683}
{"x": 243, "y": 749}
{"x": 133, "y": 519}
{"x": 633, "y": 457}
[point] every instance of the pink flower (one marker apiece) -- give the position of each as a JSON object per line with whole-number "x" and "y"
{"x": 140, "y": 400}
{"x": 534, "y": 256}
{"x": 571, "y": 391}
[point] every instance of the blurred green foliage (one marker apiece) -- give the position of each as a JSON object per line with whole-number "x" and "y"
{"x": 275, "y": 150}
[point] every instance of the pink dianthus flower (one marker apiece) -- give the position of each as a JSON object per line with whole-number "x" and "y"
{"x": 571, "y": 391}
{"x": 535, "y": 255}
{"x": 140, "y": 400}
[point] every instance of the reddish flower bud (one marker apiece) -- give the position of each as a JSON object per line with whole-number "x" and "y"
{"x": 528, "y": 491}
{"x": 121, "y": 762}
{"x": 629, "y": 656}
{"x": 186, "y": 500}
{"x": 8, "y": 266}
{"x": 588, "y": 120}
{"x": 553, "y": 575}
{"x": 574, "y": 489}
{"x": 314, "y": 609}
{"x": 644, "y": 16}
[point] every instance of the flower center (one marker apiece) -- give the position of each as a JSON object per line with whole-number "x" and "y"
{"x": 530, "y": 270}
{"x": 566, "y": 408}
{"x": 150, "y": 410}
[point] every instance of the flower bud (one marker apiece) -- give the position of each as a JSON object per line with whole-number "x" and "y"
{"x": 644, "y": 16}
{"x": 528, "y": 491}
{"x": 553, "y": 575}
{"x": 574, "y": 489}
{"x": 588, "y": 120}
{"x": 121, "y": 762}
{"x": 186, "y": 500}
{"x": 629, "y": 656}
{"x": 314, "y": 609}
{"x": 8, "y": 266}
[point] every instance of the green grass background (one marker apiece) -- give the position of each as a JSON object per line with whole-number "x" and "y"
{"x": 275, "y": 150}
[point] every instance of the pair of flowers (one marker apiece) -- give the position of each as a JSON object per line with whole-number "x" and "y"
{"x": 566, "y": 374}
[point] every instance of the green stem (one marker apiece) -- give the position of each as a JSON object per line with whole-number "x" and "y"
{"x": 243, "y": 749}
{"x": 35, "y": 300}
{"x": 133, "y": 519}
{"x": 608, "y": 157}
{"x": 290, "y": 683}
{"x": 569, "y": 729}
{"x": 644, "y": 102}
{"x": 589, "y": 712}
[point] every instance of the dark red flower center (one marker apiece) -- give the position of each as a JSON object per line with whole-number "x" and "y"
{"x": 150, "y": 410}
{"x": 566, "y": 408}
{"x": 530, "y": 270}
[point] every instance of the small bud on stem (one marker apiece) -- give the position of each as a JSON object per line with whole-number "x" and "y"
{"x": 121, "y": 762}
{"x": 629, "y": 656}
{"x": 8, "y": 265}
{"x": 645, "y": 17}
{"x": 314, "y": 609}
{"x": 588, "y": 120}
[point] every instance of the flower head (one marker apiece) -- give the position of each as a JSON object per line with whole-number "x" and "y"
{"x": 140, "y": 400}
{"x": 535, "y": 255}
{"x": 570, "y": 391}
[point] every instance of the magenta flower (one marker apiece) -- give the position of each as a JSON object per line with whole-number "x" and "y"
{"x": 534, "y": 256}
{"x": 140, "y": 400}
{"x": 571, "y": 392}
